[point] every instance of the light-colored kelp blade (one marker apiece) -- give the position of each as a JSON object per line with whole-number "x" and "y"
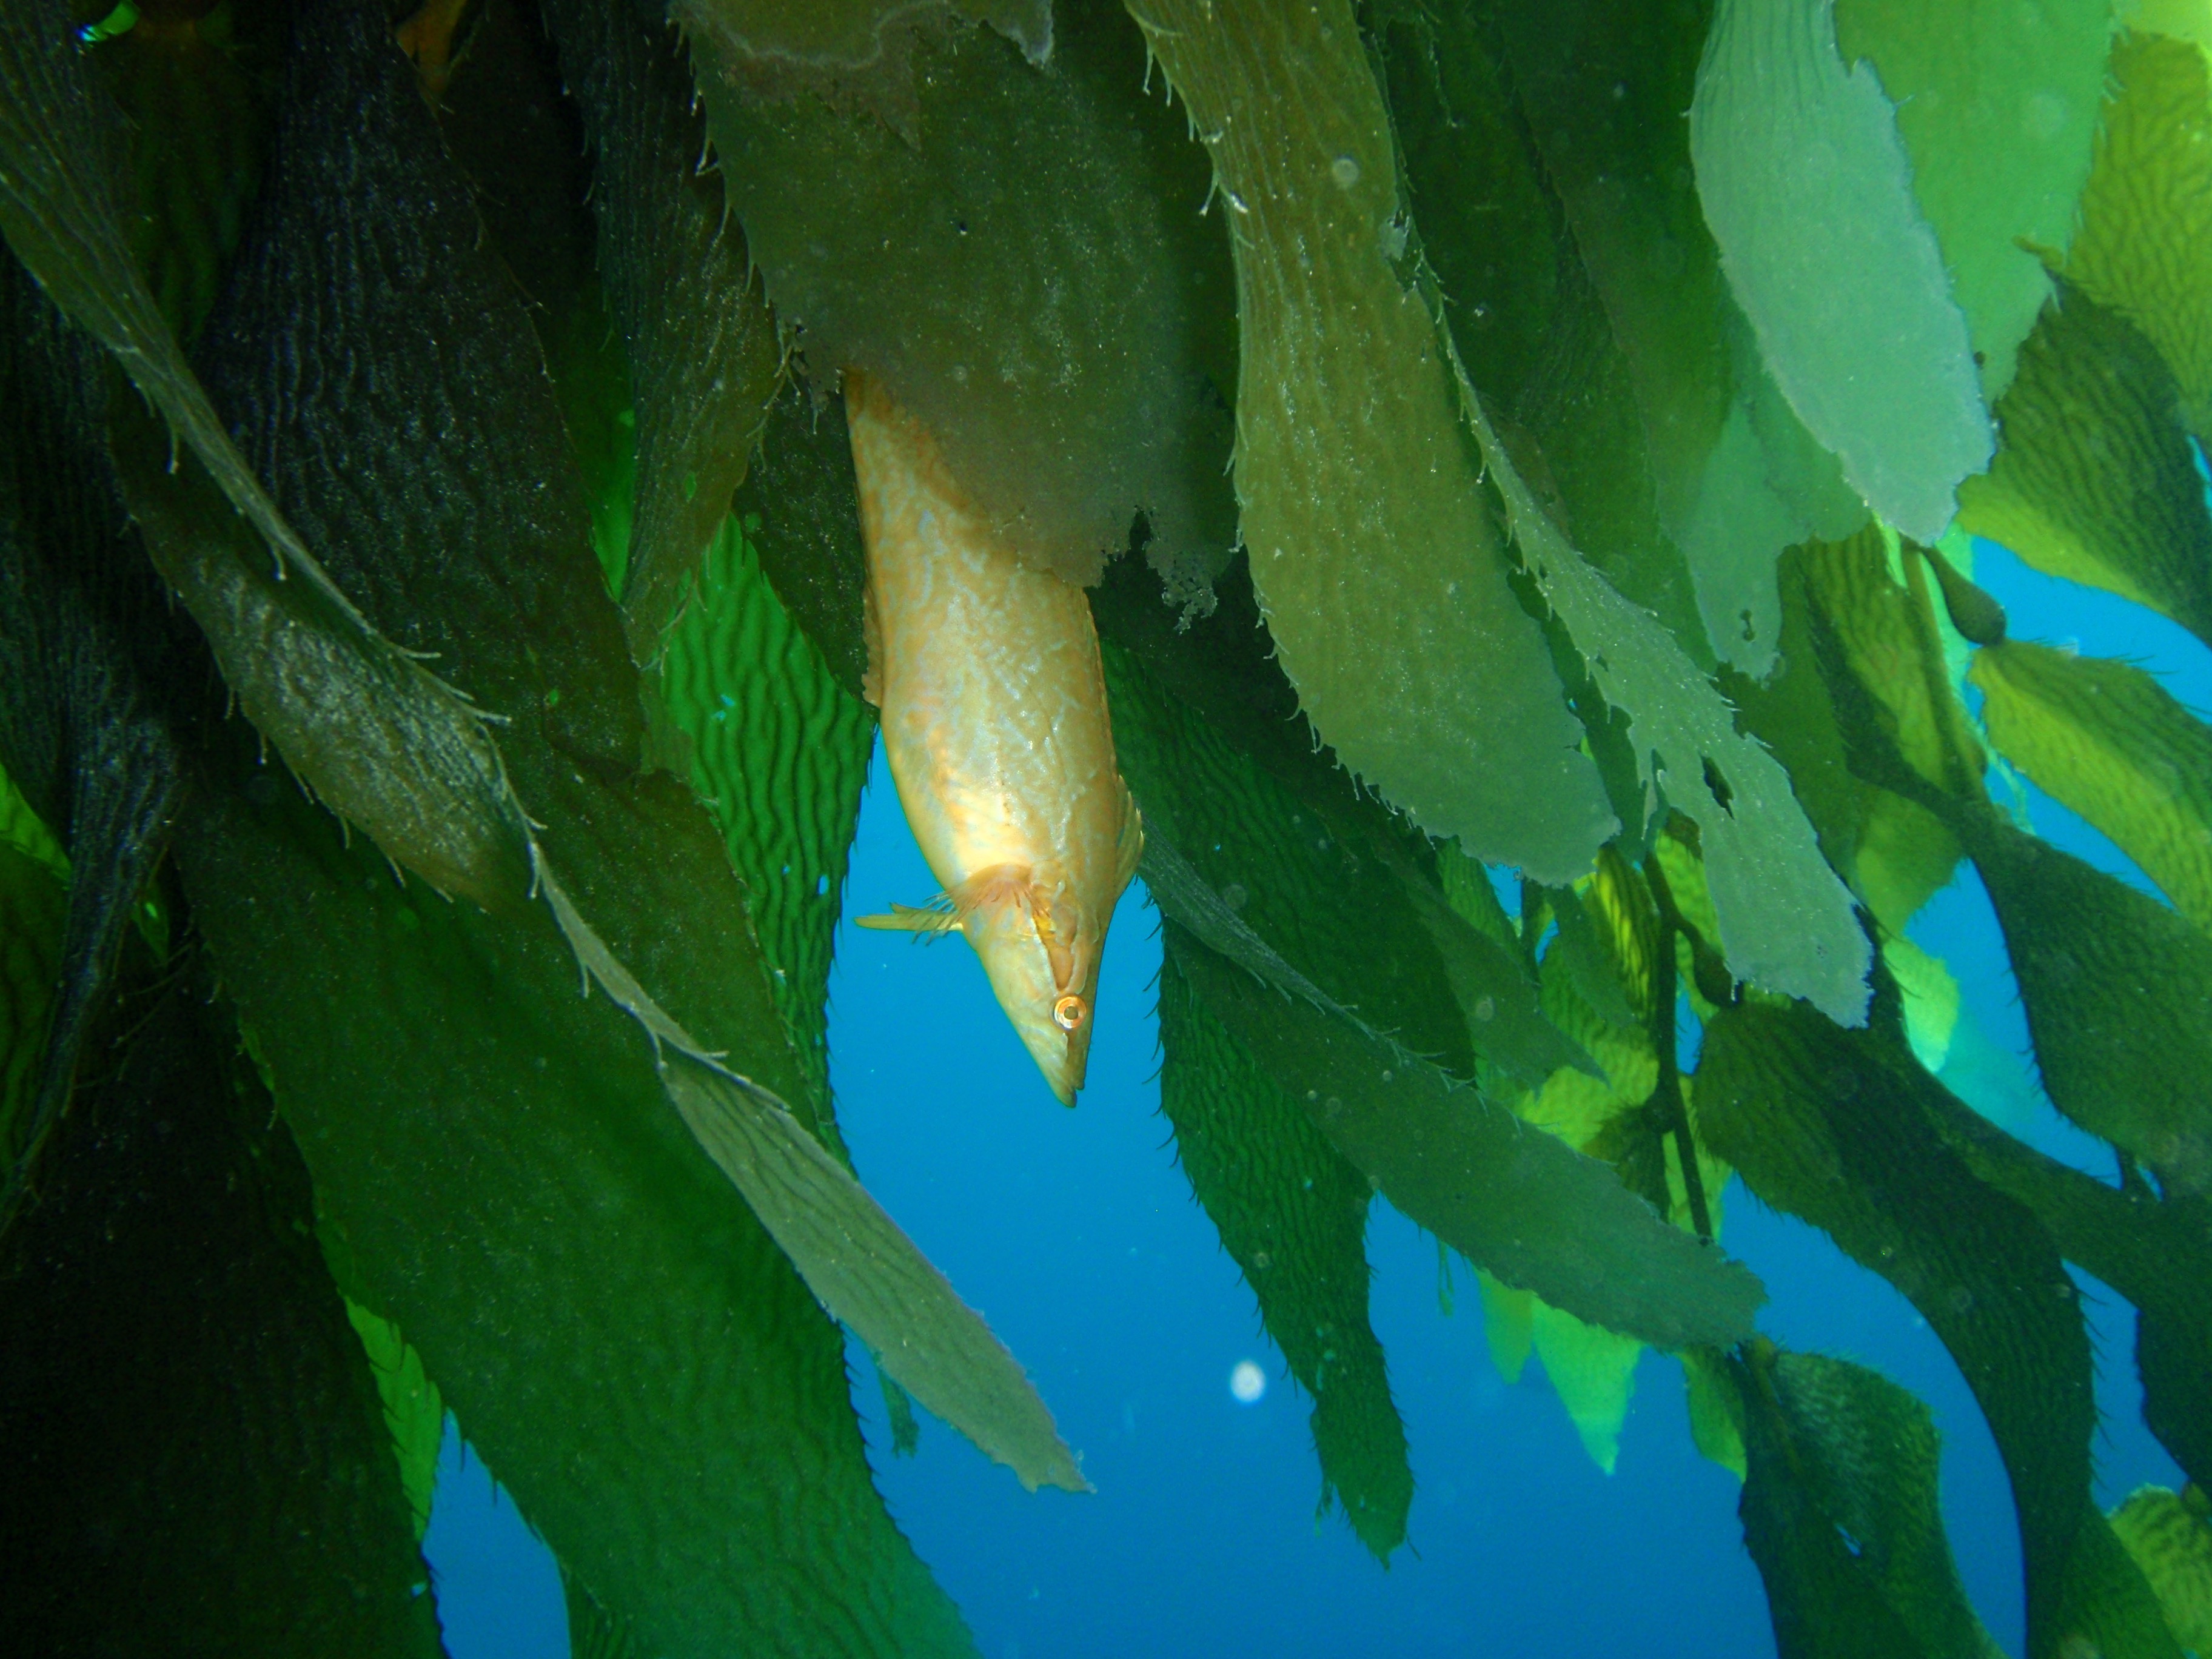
{"x": 1807, "y": 189}
{"x": 2111, "y": 742}
{"x": 1735, "y": 476}
{"x": 1841, "y": 1512}
{"x": 2147, "y": 211}
{"x": 2167, "y": 1534}
{"x": 1785, "y": 922}
{"x": 1997, "y": 106}
{"x": 1381, "y": 577}
{"x": 869, "y": 1275}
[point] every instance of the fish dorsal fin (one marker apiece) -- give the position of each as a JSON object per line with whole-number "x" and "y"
{"x": 939, "y": 918}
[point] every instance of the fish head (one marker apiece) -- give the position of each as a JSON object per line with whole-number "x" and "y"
{"x": 1040, "y": 947}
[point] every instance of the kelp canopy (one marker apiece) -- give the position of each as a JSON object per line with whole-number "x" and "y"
{"x": 1535, "y": 436}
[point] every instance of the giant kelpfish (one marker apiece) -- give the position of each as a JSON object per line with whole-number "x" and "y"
{"x": 995, "y": 719}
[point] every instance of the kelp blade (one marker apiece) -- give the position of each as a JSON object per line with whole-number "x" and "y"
{"x": 1381, "y": 576}
{"x": 1511, "y": 1199}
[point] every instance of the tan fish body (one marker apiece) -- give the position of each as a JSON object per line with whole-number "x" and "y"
{"x": 995, "y": 725}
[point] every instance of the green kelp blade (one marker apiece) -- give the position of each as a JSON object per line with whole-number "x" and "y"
{"x": 380, "y": 742}
{"x": 1808, "y": 189}
{"x": 83, "y": 731}
{"x": 479, "y": 549}
{"x": 32, "y": 904}
{"x": 312, "y": 674}
{"x": 1021, "y": 265}
{"x": 799, "y": 507}
{"x": 1324, "y": 896}
{"x": 413, "y": 1411}
{"x": 1840, "y": 1511}
{"x": 1998, "y": 108}
{"x": 632, "y": 1353}
{"x": 701, "y": 341}
{"x": 869, "y": 1275}
{"x": 1734, "y": 476}
{"x": 2167, "y": 1534}
{"x": 1381, "y": 576}
{"x": 2157, "y": 1255}
{"x": 1512, "y": 1200}
{"x": 2146, "y": 210}
{"x": 1785, "y": 921}
{"x": 780, "y": 752}
{"x": 1562, "y": 353}
{"x": 2106, "y": 739}
{"x": 199, "y": 1462}
{"x": 1830, "y": 1125}
{"x": 2094, "y": 480}
{"x": 2118, "y": 993}
{"x": 1292, "y": 1212}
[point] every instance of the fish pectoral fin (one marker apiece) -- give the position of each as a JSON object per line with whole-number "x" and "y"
{"x": 912, "y": 918}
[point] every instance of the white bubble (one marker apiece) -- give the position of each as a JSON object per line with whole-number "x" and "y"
{"x": 1247, "y": 1382}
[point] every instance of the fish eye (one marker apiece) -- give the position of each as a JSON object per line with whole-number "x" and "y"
{"x": 1069, "y": 1013}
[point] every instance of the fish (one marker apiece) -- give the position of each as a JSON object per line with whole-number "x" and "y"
{"x": 987, "y": 675}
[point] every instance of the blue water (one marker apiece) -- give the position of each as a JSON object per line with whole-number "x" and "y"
{"x": 1077, "y": 1238}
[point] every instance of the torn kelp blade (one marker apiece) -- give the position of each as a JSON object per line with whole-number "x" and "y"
{"x": 1786, "y": 923}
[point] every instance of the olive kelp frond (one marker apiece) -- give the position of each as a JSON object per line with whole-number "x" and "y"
{"x": 431, "y": 586}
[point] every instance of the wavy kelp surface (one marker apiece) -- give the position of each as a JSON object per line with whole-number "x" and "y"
{"x": 1592, "y": 472}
